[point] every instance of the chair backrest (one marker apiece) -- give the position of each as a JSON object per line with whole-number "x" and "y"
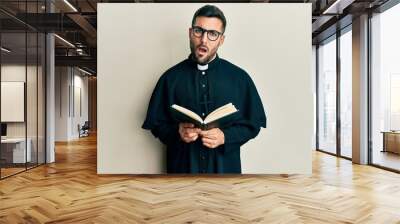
{"x": 86, "y": 124}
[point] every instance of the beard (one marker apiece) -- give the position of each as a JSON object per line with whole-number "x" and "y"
{"x": 204, "y": 60}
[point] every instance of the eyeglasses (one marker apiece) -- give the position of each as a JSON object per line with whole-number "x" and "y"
{"x": 211, "y": 34}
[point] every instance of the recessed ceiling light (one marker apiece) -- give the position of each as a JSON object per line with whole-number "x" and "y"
{"x": 70, "y": 5}
{"x": 5, "y": 50}
{"x": 337, "y": 7}
{"x": 84, "y": 71}
{"x": 64, "y": 40}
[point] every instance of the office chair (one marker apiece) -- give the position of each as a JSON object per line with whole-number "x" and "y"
{"x": 84, "y": 130}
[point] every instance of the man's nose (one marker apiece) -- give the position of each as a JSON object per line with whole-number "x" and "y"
{"x": 204, "y": 37}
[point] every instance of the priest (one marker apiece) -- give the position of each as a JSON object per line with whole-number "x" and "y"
{"x": 202, "y": 83}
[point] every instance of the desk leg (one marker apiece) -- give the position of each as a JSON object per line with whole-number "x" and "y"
{"x": 384, "y": 142}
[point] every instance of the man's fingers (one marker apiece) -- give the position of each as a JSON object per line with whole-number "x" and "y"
{"x": 191, "y": 135}
{"x": 210, "y": 132}
{"x": 212, "y": 137}
{"x": 193, "y": 130}
{"x": 188, "y": 132}
{"x": 190, "y": 139}
{"x": 187, "y": 125}
{"x": 208, "y": 141}
{"x": 203, "y": 133}
{"x": 211, "y": 146}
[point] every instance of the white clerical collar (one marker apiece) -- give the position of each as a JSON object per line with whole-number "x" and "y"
{"x": 205, "y": 67}
{"x": 202, "y": 67}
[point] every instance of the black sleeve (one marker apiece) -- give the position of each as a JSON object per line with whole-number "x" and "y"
{"x": 168, "y": 134}
{"x": 252, "y": 117}
{"x": 158, "y": 119}
{"x": 240, "y": 133}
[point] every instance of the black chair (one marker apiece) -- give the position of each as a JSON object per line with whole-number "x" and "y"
{"x": 84, "y": 130}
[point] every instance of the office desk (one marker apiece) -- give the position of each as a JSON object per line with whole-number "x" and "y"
{"x": 391, "y": 141}
{"x": 13, "y": 150}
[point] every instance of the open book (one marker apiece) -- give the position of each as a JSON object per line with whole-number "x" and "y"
{"x": 220, "y": 117}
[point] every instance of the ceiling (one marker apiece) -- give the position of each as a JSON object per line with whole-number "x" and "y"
{"x": 76, "y": 22}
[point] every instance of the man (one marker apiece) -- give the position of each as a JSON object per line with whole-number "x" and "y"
{"x": 202, "y": 83}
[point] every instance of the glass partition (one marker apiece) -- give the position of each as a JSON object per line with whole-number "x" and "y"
{"x": 14, "y": 154}
{"x": 22, "y": 63}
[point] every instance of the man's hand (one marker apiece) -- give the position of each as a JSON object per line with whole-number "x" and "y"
{"x": 188, "y": 132}
{"x": 212, "y": 138}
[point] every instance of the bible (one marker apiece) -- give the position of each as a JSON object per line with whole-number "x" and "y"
{"x": 220, "y": 117}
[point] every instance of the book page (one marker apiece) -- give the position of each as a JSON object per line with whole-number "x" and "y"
{"x": 220, "y": 112}
{"x": 188, "y": 113}
{"x": 219, "y": 108}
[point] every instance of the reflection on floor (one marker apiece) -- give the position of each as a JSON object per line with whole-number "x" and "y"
{"x": 11, "y": 169}
{"x": 347, "y": 152}
{"x": 386, "y": 159}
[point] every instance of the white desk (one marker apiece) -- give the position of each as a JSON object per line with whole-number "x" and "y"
{"x": 18, "y": 149}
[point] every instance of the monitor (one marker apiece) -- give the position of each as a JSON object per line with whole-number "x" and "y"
{"x": 3, "y": 129}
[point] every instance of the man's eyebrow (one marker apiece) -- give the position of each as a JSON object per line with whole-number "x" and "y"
{"x": 207, "y": 29}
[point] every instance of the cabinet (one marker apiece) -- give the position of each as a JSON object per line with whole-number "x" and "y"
{"x": 13, "y": 150}
{"x": 391, "y": 141}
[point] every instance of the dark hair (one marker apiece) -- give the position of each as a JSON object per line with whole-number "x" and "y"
{"x": 210, "y": 11}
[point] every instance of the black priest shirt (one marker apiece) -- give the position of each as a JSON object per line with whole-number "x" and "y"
{"x": 202, "y": 89}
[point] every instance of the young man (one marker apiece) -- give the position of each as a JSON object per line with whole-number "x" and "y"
{"x": 202, "y": 83}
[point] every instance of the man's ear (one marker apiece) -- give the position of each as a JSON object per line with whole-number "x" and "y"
{"x": 221, "y": 41}
{"x": 190, "y": 30}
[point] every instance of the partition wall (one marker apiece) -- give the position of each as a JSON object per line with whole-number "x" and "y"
{"x": 22, "y": 76}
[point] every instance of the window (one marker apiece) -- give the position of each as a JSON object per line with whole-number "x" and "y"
{"x": 385, "y": 88}
{"x": 346, "y": 93}
{"x": 327, "y": 96}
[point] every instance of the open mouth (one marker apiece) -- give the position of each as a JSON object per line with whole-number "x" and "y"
{"x": 202, "y": 50}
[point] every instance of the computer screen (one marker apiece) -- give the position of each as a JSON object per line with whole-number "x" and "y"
{"x": 3, "y": 129}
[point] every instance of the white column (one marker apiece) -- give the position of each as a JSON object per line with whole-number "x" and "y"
{"x": 50, "y": 92}
{"x": 360, "y": 90}
{"x": 50, "y": 110}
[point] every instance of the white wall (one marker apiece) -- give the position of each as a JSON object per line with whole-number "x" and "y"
{"x": 17, "y": 72}
{"x": 272, "y": 42}
{"x": 67, "y": 117}
{"x": 314, "y": 84}
{"x": 79, "y": 117}
{"x": 12, "y": 101}
{"x": 14, "y": 73}
{"x": 61, "y": 103}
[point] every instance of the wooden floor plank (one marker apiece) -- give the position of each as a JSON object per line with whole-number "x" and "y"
{"x": 70, "y": 191}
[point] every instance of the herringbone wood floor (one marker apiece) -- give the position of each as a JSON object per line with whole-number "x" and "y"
{"x": 69, "y": 191}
